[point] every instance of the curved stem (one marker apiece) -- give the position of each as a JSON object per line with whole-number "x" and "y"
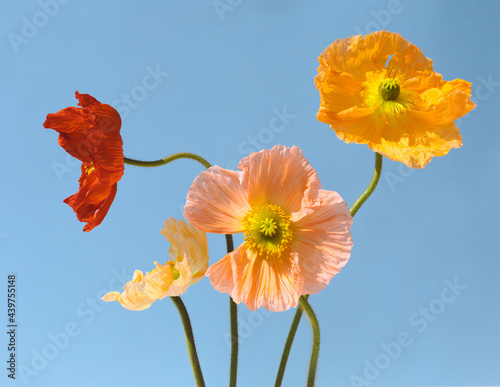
{"x": 316, "y": 338}
{"x": 298, "y": 314}
{"x": 188, "y": 330}
{"x": 166, "y": 160}
{"x": 233, "y": 313}
{"x": 371, "y": 187}
{"x": 288, "y": 344}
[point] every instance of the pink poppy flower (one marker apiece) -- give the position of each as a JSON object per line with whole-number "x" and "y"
{"x": 297, "y": 236}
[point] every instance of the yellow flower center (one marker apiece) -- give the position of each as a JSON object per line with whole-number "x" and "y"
{"x": 389, "y": 89}
{"x": 385, "y": 96}
{"x": 268, "y": 227}
{"x": 267, "y": 230}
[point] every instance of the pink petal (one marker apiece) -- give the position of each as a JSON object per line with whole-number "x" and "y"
{"x": 274, "y": 284}
{"x": 280, "y": 176}
{"x": 323, "y": 241}
{"x": 221, "y": 274}
{"x": 216, "y": 201}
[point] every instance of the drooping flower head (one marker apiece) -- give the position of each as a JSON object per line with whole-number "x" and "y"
{"x": 91, "y": 134}
{"x": 188, "y": 263}
{"x": 297, "y": 236}
{"x": 380, "y": 90}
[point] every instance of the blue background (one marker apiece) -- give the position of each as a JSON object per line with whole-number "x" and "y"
{"x": 229, "y": 69}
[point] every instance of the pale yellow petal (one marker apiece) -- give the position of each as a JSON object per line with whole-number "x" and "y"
{"x": 111, "y": 296}
{"x": 187, "y": 242}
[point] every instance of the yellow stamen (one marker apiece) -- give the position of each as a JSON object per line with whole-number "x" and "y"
{"x": 268, "y": 227}
{"x": 89, "y": 169}
{"x": 267, "y": 230}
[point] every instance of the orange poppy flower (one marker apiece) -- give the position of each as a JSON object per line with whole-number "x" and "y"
{"x": 380, "y": 90}
{"x": 91, "y": 134}
{"x": 297, "y": 236}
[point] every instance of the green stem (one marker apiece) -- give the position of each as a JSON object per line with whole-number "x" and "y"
{"x": 315, "y": 349}
{"x": 288, "y": 344}
{"x": 233, "y": 313}
{"x": 371, "y": 187}
{"x": 166, "y": 160}
{"x": 298, "y": 313}
{"x": 188, "y": 330}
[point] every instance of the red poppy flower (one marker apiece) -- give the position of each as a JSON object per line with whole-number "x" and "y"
{"x": 91, "y": 134}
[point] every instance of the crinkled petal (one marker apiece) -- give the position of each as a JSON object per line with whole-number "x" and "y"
{"x": 281, "y": 176}
{"x": 190, "y": 251}
{"x": 443, "y": 104}
{"x": 358, "y": 55}
{"x": 216, "y": 201}
{"x": 92, "y": 201}
{"x": 413, "y": 128}
{"x": 103, "y": 139}
{"x": 189, "y": 246}
{"x": 72, "y": 124}
{"x": 323, "y": 241}
{"x": 274, "y": 284}
{"x": 91, "y": 134}
{"x": 143, "y": 290}
{"x": 415, "y": 137}
{"x": 338, "y": 91}
{"x": 180, "y": 285}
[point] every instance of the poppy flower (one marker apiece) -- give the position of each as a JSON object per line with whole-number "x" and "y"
{"x": 189, "y": 262}
{"x": 297, "y": 235}
{"x": 380, "y": 90}
{"x": 91, "y": 134}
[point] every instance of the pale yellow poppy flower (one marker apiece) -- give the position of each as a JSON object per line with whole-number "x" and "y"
{"x": 188, "y": 264}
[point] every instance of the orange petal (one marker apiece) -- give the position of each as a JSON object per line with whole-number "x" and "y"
{"x": 71, "y": 123}
{"x": 423, "y": 81}
{"x": 281, "y": 176}
{"x": 413, "y": 139}
{"x": 91, "y": 213}
{"x": 274, "y": 284}
{"x": 419, "y": 141}
{"x": 416, "y": 127}
{"x": 354, "y": 55}
{"x": 91, "y": 134}
{"x": 338, "y": 91}
{"x": 93, "y": 200}
{"x": 216, "y": 201}
{"x": 408, "y": 59}
{"x": 445, "y": 103}
{"x": 358, "y": 55}
{"x": 323, "y": 241}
